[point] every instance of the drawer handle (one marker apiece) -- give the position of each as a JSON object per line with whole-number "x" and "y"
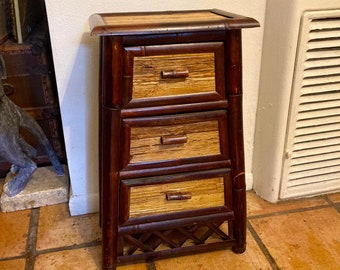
{"x": 174, "y": 74}
{"x": 178, "y": 196}
{"x": 171, "y": 139}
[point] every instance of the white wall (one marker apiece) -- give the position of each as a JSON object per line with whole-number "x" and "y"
{"x": 76, "y": 64}
{"x": 278, "y": 64}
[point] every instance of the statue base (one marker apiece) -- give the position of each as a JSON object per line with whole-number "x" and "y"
{"x": 44, "y": 188}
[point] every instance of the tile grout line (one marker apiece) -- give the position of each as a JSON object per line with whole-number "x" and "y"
{"x": 32, "y": 239}
{"x": 72, "y": 247}
{"x": 12, "y": 258}
{"x": 151, "y": 265}
{"x": 291, "y": 211}
{"x": 335, "y": 205}
{"x": 262, "y": 246}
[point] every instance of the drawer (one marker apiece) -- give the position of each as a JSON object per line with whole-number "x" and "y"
{"x": 140, "y": 199}
{"x": 174, "y": 139}
{"x": 172, "y": 74}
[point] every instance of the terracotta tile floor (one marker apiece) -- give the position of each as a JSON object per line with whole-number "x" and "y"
{"x": 296, "y": 234}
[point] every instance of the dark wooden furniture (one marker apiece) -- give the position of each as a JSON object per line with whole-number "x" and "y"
{"x": 30, "y": 84}
{"x": 171, "y": 138}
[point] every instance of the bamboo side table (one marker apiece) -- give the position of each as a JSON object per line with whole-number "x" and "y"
{"x": 171, "y": 137}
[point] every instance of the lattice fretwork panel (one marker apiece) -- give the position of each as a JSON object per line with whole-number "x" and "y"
{"x": 184, "y": 236}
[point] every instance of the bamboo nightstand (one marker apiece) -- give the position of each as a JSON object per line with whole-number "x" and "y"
{"x": 171, "y": 137}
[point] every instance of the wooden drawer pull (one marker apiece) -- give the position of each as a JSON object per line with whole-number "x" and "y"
{"x": 178, "y": 196}
{"x": 173, "y": 139}
{"x": 174, "y": 74}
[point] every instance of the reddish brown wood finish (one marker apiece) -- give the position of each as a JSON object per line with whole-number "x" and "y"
{"x": 233, "y": 55}
{"x": 120, "y": 43}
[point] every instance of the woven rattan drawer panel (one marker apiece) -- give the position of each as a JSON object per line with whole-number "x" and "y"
{"x": 169, "y": 75}
{"x": 173, "y": 72}
{"x": 174, "y": 197}
{"x": 157, "y": 140}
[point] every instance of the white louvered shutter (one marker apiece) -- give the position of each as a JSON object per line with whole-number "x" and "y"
{"x": 312, "y": 161}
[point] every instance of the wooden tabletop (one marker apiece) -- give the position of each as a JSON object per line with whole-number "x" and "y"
{"x": 166, "y": 22}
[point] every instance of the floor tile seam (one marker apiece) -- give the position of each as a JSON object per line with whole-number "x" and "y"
{"x": 71, "y": 247}
{"x": 290, "y": 211}
{"x": 330, "y": 202}
{"x": 337, "y": 207}
{"x": 262, "y": 247}
{"x": 12, "y": 258}
{"x": 30, "y": 251}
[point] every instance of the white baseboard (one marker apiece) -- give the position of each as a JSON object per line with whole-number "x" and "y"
{"x": 249, "y": 181}
{"x": 84, "y": 204}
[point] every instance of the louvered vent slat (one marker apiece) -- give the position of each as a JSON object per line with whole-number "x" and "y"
{"x": 318, "y": 121}
{"x": 328, "y": 96}
{"x": 306, "y": 131}
{"x": 320, "y": 62}
{"x": 323, "y": 54}
{"x": 322, "y": 44}
{"x": 315, "y": 179}
{"x": 322, "y": 71}
{"x": 308, "y": 90}
{"x": 316, "y": 150}
{"x": 305, "y": 107}
{"x": 324, "y": 77}
{"x": 324, "y": 24}
{"x": 321, "y": 113}
{"x": 305, "y": 158}
{"x": 313, "y": 146}
{"x": 314, "y": 172}
{"x": 315, "y": 35}
{"x": 324, "y": 163}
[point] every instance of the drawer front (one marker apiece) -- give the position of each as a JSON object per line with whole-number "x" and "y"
{"x": 153, "y": 73}
{"x": 166, "y": 198}
{"x": 170, "y": 75}
{"x": 155, "y": 140}
{"x": 174, "y": 141}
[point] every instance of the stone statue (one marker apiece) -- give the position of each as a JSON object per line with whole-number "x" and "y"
{"x": 13, "y": 147}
